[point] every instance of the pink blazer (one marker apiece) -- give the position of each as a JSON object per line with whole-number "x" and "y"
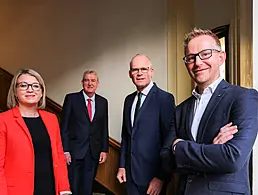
{"x": 17, "y": 154}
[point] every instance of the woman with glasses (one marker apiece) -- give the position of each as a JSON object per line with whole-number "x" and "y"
{"x": 32, "y": 160}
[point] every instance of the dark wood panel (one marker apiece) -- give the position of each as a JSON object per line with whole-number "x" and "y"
{"x": 106, "y": 174}
{"x": 5, "y": 82}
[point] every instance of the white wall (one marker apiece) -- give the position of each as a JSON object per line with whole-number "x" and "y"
{"x": 61, "y": 39}
{"x": 211, "y": 14}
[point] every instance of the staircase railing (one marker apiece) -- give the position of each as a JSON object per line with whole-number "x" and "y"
{"x": 106, "y": 174}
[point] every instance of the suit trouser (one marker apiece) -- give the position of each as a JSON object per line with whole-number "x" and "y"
{"x": 82, "y": 174}
{"x": 133, "y": 189}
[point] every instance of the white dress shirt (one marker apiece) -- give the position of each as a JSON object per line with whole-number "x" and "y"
{"x": 65, "y": 192}
{"x": 201, "y": 103}
{"x": 144, "y": 92}
{"x": 93, "y": 102}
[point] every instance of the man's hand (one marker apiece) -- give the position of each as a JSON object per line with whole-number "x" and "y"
{"x": 102, "y": 157}
{"x": 225, "y": 134}
{"x": 155, "y": 186}
{"x": 68, "y": 158}
{"x": 121, "y": 175}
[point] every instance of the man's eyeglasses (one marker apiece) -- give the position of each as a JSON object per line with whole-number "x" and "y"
{"x": 23, "y": 86}
{"x": 203, "y": 55}
{"x": 137, "y": 70}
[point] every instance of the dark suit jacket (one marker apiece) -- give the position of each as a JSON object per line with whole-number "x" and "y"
{"x": 141, "y": 144}
{"x": 79, "y": 134}
{"x": 222, "y": 168}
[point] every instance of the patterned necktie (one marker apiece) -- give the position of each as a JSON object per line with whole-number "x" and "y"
{"x": 138, "y": 105}
{"x": 89, "y": 108}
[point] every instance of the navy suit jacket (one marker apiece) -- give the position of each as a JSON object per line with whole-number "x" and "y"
{"x": 141, "y": 144}
{"x": 79, "y": 134}
{"x": 208, "y": 168}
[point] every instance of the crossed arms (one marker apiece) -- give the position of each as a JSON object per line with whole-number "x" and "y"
{"x": 230, "y": 148}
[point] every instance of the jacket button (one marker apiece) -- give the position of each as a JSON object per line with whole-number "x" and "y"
{"x": 189, "y": 180}
{"x": 55, "y": 165}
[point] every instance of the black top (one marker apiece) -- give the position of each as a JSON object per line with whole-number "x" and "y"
{"x": 44, "y": 182}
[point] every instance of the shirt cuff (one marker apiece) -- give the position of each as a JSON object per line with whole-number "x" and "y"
{"x": 174, "y": 147}
{"x": 65, "y": 192}
{"x": 66, "y": 152}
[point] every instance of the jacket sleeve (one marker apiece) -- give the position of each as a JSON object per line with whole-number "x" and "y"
{"x": 63, "y": 183}
{"x": 64, "y": 124}
{"x": 3, "y": 186}
{"x": 167, "y": 109}
{"x": 168, "y": 158}
{"x": 124, "y": 144}
{"x": 105, "y": 129}
{"x": 231, "y": 156}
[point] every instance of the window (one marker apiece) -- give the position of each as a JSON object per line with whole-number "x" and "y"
{"x": 222, "y": 33}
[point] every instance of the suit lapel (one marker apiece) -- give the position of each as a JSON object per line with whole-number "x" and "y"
{"x": 21, "y": 122}
{"x": 147, "y": 101}
{"x": 189, "y": 117}
{"x": 129, "y": 110}
{"x": 97, "y": 108}
{"x": 83, "y": 102}
{"x": 213, "y": 103}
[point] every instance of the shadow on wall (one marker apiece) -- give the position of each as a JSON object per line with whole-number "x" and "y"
{"x": 61, "y": 39}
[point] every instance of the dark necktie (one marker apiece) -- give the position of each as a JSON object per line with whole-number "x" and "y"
{"x": 89, "y": 108}
{"x": 138, "y": 105}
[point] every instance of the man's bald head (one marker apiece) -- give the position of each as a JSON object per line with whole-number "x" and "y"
{"x": 140, "y": 58}
{"x": 141, "y": 71}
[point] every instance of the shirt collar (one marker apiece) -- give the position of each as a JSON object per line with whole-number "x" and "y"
{"x": 147, "y": 89}
{"x": 210, "y": 89}
{"x": 87, "y": 97}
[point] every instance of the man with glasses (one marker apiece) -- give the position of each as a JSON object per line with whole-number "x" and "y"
{"x": 214, "y": 130}
{"x": 147, "y": 117}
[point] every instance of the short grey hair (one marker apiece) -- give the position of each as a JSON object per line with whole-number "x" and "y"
{"x": 90, "y": 72}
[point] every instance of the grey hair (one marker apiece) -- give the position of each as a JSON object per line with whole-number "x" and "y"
{"x": 90, "y": 72}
